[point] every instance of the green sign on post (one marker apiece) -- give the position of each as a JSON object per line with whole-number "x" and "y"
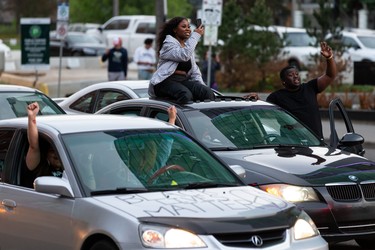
{"x": 35, "y": 43}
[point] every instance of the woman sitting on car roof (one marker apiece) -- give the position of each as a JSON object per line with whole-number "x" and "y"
{"x": 178, "y": 76}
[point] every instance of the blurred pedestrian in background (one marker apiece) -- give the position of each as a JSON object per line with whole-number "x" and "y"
{"x": 215, "y": 66}
{"x": 145, "y": 58}
{"x": 177, "y": 75}
{"x": 117, "y": 58}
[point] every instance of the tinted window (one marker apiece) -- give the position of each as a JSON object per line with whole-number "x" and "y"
{"x": 146, "y": 28}
{"x": 86, "y": 103}
{"x": 5, "y": 139}
{"x": 14, "y": 104}
{"x": 299, "y": 39}
{"x": 107, "y": 97}
{"x": 246, "y": 128}
{"x": 118, "y": 25}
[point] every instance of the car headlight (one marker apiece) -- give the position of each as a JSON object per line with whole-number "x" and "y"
{"x": 304, "y": 227}
{"x": 166, "y": 237}
{"x": 291, "y": 193}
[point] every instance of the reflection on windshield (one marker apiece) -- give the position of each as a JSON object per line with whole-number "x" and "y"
{"x": 15, "y": 104}
{"x": 124, "y": 161}
{"x": 247, "y": 128}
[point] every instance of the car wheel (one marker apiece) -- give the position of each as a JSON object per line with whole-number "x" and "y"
{"x": 104, "y": 245}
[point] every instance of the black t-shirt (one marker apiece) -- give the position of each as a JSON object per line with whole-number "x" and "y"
{"x": 302, "y": 104}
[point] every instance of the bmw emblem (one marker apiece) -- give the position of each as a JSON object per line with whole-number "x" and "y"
{"x": 353, "y": 178}
{"x": 256, "y": 240}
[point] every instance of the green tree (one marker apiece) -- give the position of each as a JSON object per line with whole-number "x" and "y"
{"x": 99, "y": 11}
{"x": 248, "y": 49}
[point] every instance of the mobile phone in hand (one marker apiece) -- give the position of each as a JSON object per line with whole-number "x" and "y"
{"x": 199, "y": 22}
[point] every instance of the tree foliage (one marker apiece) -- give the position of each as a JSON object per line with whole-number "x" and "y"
{"x": 247, "y": 50}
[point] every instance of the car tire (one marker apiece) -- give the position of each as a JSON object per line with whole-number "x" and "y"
{"x": 366, "y": 243}
{"x": 104, "y": 245}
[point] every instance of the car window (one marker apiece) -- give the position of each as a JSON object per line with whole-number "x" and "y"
{"x": 349, "y": 42}
{"x": 5, "y": 139}
{"x": 299, "y": 39}
{"x": 368, "y": 41}
{"x": 85, "y": 103}
{"x": 117, "y": 25}
{"x": 146, "y": 28}
{"x": 14, "y": 104}
{"x": 107, "y": 97}
{"x": 129, "y": 111}
{"x": 163, "y": 116}
{"x": 246, "y": 128}
{"x": 125, "y": 160}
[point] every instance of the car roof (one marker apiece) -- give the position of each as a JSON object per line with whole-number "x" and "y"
{"x": 222, "y": 102}
{"x": 16, "y": 88}
{"x": 66, "y": 124}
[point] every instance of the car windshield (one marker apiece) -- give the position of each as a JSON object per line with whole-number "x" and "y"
{"x": 14, "y": 104}
{"x": 239, "y": 128}
{"x": 299, "y": 39}
{"x": 368, "y": 41}
{"x": 143, "y": 160}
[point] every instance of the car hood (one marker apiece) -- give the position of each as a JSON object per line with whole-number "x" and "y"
{"x": 302, "y": 165}
{"x": 231, "y": 202}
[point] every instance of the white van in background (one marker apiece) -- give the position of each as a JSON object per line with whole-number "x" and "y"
{"x": 132, "y": 29}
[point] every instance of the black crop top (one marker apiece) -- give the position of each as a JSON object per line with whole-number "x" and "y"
{"x": 184, "y": 66}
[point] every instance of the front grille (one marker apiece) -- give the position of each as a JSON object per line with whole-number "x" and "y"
{"x": 350, "y": 192}
{"x": 244, "y": 239}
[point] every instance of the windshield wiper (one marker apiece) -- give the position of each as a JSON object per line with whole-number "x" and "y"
{"x": 224, "y": 148}
{"x": 120, "y": 191}
{"x": 194, "y": 185}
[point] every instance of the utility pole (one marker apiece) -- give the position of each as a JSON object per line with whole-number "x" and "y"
{"x": 115, "y": 7}
{"x": 161, "y": 14}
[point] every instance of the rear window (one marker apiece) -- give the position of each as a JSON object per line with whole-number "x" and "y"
{"x": 14, "y": 104}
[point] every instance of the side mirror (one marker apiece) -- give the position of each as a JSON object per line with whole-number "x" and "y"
{"x": 240, "y": 171}
{"x": 351, "y": 139}
{"x": 53, "y": 185}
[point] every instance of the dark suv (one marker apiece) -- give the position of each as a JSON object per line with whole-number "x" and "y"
{"x": 283, "y": 157}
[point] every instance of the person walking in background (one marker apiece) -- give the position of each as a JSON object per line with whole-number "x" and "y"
{"x": 117, "y": 61}
{"x": 177, "y": 75}
{"x": 145, "y": 58}
{"x": 301, "y": 99}
{"x": 215, "y": 66}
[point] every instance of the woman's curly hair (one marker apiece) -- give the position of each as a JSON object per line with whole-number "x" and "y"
{"x": 167, "y": 29}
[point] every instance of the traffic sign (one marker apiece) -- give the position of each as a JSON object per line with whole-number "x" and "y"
{"x": 61, "y": 29}
{"x": 211, "y": 12}
{"x": 63, "y": 12}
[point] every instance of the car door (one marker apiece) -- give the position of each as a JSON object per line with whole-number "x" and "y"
{"x": 350, "y": 141}
{"x": 30, "y": 220}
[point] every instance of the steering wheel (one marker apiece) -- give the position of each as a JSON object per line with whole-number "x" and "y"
{"x": 163, "y": 170}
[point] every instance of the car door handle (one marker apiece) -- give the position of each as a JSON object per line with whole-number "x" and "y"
{"x": 8, "y": 203}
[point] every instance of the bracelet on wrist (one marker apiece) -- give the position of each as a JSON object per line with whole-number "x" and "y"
{"x": 329, "y": 58}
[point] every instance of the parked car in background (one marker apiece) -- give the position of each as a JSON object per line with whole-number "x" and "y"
{"x": 82, "y": 27}
{"x": 360, "y": 45}
{"x": 112, "y": 197}
{"x": 282, "y": 157}
{"x": 76, "y": 44}
{"x": 96, "y": 96}
{"x": 14, "y": 100}
{"x": 5, "y": 49}
{"x": 132, "y": 29}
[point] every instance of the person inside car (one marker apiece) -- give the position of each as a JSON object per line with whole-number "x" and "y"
{"x": 40, "y": 159}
